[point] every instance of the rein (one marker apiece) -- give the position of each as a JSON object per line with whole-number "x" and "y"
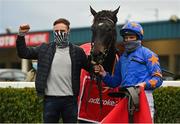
{"x": 98, "y": 59}
{"x": 132, "y": 94}
{"x": 99, "y": 84}
{"x": 107, "y": 19}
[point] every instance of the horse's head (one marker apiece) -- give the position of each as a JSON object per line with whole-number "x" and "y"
{"x": 103, "y": 31}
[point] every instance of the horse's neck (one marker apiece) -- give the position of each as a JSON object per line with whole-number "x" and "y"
{"x": 108, "y": 63}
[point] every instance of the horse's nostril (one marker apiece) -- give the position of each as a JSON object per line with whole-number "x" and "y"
{"x": 96, "y": 52}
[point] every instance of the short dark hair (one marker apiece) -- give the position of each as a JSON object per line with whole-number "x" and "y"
{"x": 62, "y": 20}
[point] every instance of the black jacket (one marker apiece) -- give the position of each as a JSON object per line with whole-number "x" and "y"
{"x": 45, "y": 54}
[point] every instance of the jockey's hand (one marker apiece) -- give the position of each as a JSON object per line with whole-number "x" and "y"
{"x": 100, "y": 70}
{"x": 23, "y": 29}
{"x": 142, "y": 84}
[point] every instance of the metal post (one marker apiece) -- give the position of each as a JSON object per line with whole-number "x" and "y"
{"x": 24, "y": 65}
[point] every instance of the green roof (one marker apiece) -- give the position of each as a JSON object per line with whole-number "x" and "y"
{"x": 161, "y": 30}
{"x": 152, "y": 31}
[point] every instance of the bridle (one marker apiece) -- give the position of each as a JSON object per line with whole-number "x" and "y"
{"x": 99, "y": 59}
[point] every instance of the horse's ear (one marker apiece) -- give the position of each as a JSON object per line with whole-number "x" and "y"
{"x": 93, "y": 12}
{"x": 116, "y": 11}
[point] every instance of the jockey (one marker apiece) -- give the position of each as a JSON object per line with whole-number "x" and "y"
{"x": 137, "y": 66}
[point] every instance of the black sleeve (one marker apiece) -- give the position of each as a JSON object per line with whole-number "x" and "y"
{"x": 85, "y": 61}
{"x": 23, "y": 51}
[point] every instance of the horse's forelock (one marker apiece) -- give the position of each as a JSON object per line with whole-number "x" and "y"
{"x": 105, "y": 13}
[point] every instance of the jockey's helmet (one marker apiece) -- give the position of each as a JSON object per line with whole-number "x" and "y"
{"x": 132, "y": 28}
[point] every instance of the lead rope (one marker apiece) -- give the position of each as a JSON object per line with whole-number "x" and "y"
{"x": 89, "y": 90}
{"x": 115, "y": 61}
{"x": 97, "y": 77}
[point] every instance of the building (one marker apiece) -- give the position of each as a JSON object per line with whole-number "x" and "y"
{"x": 162, "y": 37}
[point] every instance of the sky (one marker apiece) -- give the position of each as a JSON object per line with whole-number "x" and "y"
{"x": 40, "y": 14}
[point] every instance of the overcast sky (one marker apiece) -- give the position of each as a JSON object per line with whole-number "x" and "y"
{"x": 40, "y": 14}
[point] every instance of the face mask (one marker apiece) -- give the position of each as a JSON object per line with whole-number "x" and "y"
{"x": 131, "y": 46}
{"x": 61, "y": 39}
{"x": 34, "y": 65}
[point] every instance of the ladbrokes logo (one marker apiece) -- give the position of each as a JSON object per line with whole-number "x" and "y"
{"x": 105, "y": 102}
{"x": 105, "y": 89}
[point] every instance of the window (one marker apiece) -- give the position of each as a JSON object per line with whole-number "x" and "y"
{"x": 2, "y": 65}
{"x": 15, "y": 65}
{"x": 177, "y": 67}
{"x": 164, "y": 62}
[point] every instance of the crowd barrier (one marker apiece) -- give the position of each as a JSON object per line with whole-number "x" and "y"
{"x": 31, "y": 84}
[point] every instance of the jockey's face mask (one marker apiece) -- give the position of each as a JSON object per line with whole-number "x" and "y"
{"x": 131, "y": 43}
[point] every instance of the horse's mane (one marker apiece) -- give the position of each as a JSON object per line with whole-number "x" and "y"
{"x": 105, "y": 13}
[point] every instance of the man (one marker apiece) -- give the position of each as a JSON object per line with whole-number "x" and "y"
{"x": 137, "y": 66}
{"x": 58, "y": 72}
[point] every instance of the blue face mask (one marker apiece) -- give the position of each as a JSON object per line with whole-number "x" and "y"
{"x": 34, "y": 65}
{"x": 131, "y": 46}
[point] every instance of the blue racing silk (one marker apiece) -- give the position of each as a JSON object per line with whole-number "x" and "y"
{"x": 141, "y": 65}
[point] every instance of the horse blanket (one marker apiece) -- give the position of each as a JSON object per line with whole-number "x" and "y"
{"x": 113, "y": 109}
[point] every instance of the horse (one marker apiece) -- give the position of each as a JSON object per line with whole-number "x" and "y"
{"x": 104, "y": 36}
{"x": 102, "y": 51}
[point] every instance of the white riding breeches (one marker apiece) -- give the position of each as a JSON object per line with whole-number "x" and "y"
{"x": 150, "y": 99}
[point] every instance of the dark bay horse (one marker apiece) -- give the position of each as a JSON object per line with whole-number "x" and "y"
{"x": 103, "y": 51}
{"x": 104, "y": 38}
{"x": 93, "y": 91}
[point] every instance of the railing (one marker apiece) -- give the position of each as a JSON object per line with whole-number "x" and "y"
{"x": 32, "y": 84}
{"x": 17, "y": 84}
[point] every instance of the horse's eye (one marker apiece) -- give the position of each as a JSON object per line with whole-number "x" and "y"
{"x": 92, "y": 29}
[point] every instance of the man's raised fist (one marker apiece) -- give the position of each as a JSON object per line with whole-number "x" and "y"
{"x": 24, "y": 28}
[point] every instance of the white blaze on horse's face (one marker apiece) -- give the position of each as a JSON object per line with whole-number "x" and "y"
{"x": 101, "y": 35}
{"x": 100, "y": 24}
